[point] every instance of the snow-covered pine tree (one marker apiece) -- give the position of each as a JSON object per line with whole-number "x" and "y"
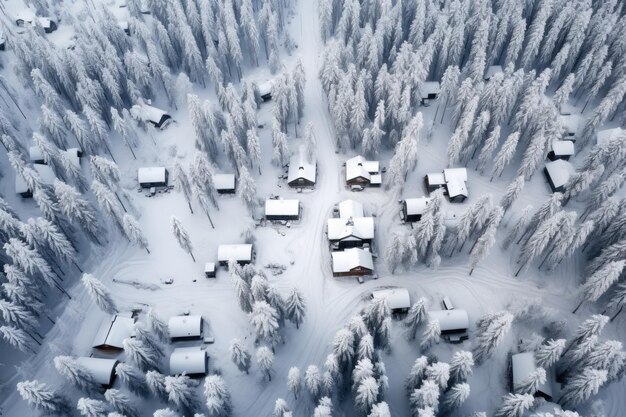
{"x": 549, "y": 353}
{"x": 121, "y": 402}
{"x": 141, "y": 354}
{"x": 512, "y": 192}
{"x": 600, "y": 281}
{"x": 181, "y": 390}
{"x": 366, "y": 395}
{"x": 280, "y": 408}
{"x": 617, "y": 301}
{"x": 504, "y": 156}
{"x": 90, "y": 407}
{"x": 515, "y": 405}
{"x": 265, "y": 360}
{"x": 239, "y": 355}
{"x": 416, "y": 374}
{"x": 431, "y": 334}
{"x": 426, "y": 396}
{"x": 156, "y": 383}
{"x": 533, "y": 381}
{"x": 158, "y": 326}
{"x": 218, "y": 396}
{"x": 456, "y": 396}
{"x": 313, "y": 381}
{"x": 582, "y": 386}
{"x": 183, "y": 184}
{"x": 580, "y": 181}
{"x": 461, "y": 367}
{"x": 165, "y": 412}
{"x": 415, "y": 318}
{"x": 264, "y": 319}
{"x": 132, "y": 378}
{"x": 78, "y": 210}
{"x": 181, "y": 235}
{"x": 439, "y": 372}
{"x": 492, "y": 330}
{"x": 75, "y": 373}
{"x": 133, "y": 232}
{"x": 43, "y": 398}
{"x": 18, "y": 338}
{"x": 294, "y": 382}
{"x": 99, "y": 293}
{"x": 295, "y": 307}
{"x": 324, "y": 408}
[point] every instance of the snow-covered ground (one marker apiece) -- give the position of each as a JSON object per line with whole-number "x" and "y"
{"x": 137, "y": 279}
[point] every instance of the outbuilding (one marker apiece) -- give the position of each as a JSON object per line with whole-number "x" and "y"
{"x": 185, "y": 327}
{"x": 279, "y": 209}
{"x": 224, "y": 183}
{"x": 353, "y": 261}
{"x": 434, "y": 181}
{"x": 524, "y": 364}
{"x": 209, "y": 270}
{"x": 240, "y": 253}
{"x": 558, "y": 173}
{"x": 570, "y": 124}
{"x": 350, "y": 208}
{"x": 456, "y": 179}
{"x": 607, "y": 135}
{"x": 46, "y": 175}
{"x": 191, "y": 361}
{"x": 265, "y": 90}
{"x": 492, "y": 70}
{"x": 101, "y": 370}
{"x": 430, "y": 90}
{"x": 302, "y": 172}
{"x": 350, "y": 232}
{"x": 414, "y": 208}
{"x": 28, "y": 17}
{"x": 453, "y": 324}
{"x": 113, "y": 331}
{"x": 152, "y": 177}
{"x": 153, "y": 115}
{"x": 561, "y": 149}
{"x": 360, "y": 171}
{"x": 398, "y": 299}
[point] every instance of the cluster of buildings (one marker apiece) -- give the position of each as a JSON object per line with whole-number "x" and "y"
{"x": 46, "y": 174}
{"x": 452, "y": 180}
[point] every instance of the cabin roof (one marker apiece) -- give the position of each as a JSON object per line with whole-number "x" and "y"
{"x": 188, "y": 360}
{"x": 397, "y": 298}
{"x": 237, "y": 252}
{"x": 347, "y": 260}
{"x": 185, "y": 326}
{"x": 282, "y": 207}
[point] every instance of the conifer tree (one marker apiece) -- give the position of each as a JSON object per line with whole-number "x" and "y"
{"x": 239, "y": 355}
{"x": 182, "y": 237}
{"x": 43, "y": 398}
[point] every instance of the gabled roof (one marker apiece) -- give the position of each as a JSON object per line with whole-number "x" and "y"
{"x": 185, "y": 326}
{"x": 148, "y": 175}
{"x": 300, "y": 167}
{"x": 148, "y": 113}
{"x": 224, "y": 181}
{"x": 436, "y": 178}
{"x": 450, "y": 319}
{"x": 563, "y": 147}
{"x": 240, "y": 253}
{"x": 282, "y": 207}
{"x": 189, "y": 360}
{"x": 266, "y": 88}
{"x": 523, "y": 365}
{"x": 416, "y": 205}
{"x": 430, "y": 87}
{"x": 570, "y": 123}
{"x": 397, "y": 298}
{"x": 559, "y": 172}
{"x": 455, "y": 181}
{"x": 114, "y": 330}
{"x": 349, "y": 259}
{"x": 352, "y": 228}
{"x": 102, "y": 370}
{"x": 360, "y": 167}
{"x": 350, "y": 208}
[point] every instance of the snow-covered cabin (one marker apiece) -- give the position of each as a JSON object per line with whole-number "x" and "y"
{"x": 153, "y": 115}
{"x": 453, "y": 324}
{"x": 561, "y": 149}
{"x": 351, "y": 231}
{"x": 434, "y": 181}
{"x": 242, "y": 253}
{"x": 605, "y": 135}
{"x": 185, "y": 327}
{"x": 265, "y": 90}
{"x": 101, "y": 370}
{"x": 276, "y": 209}
{"x": 360, "y": 171}
{"x": 492, "y": 70}
{"x": 558, "y": 173}
{"x": 113, "y": 331}
{"x": 190, "y": 361}
{"x": 350, "y": 208}
{"x": 209, "y": 270}
{"x": 224, "y": 183}
{"x": 36, "y": 156}
{"x": 430, "y": 90}
{"x": 353, "y": 261}
{"x": 46, "y": 174}
{"x": 570, "y": 124}
{"x": 413, "y": 208}
{"x": 523, "y": 364}
{"x": 456, "y": 179}
{"x": 28, "y": 17}
{"x": 152, "y": 177}
{"x": 398, "y": 299}
{"x": 302, "y": 173}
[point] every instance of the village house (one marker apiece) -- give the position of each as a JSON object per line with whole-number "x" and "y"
{"x": 453, "y": 324}
{"x": 414, "y": 208}
{"x": 429, "y": 90}
{"x": 570, "y": 124}
{"x": 523, "y": 364}
{"x": 360, "y": 171}
{"x": 185, "y": 327}
{"x": 149, "y": 177}
{"x": 558, "y": 173}
{"x": 561, "y": 149}
{"x": 152, "y": 115}
{"x": 302, "y": 173}
{"x": 350, "y": 232}
{"x": 224, "y": 183}
{"x": 278, "y": 209}
{"x": 452, "y": 180}
{"x": 398, "y": 299}
{"x": 101, "y": 370}
{"x": 240, "y": 253}
{"x": 191, "y": 361}
{"x": 113, "y": 331}
{"x": 265, "y": 90}
{"x": 350, "y": 208}
{"x": 28, "y": 17}
{"x": 353, "y": 261}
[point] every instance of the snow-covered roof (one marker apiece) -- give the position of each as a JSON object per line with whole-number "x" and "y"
{"x": 606, "y": 135}
{"x": 188, "y": 360}
{"x": 102, "y": 370}
{"x": 266, "y": 88}
{"x": 455, "y": 181}
{"x": 300, "y": 167}
{"x": 563, "y": 147}
{"x": 430, "y": 87}
{"x": 35, "y": 154}
{"x": 493, "y": 70}
{"x": 523, "y": 365}
{"x": 224, "y": 181}
{"x": 349, "y": 259}
{"x": 570, "y": 123}
{"x": 45, "y": 172}
{"x": 149, "y": 113}
{"x": 559, "y": 172}
{"x": 282, "y": 207}
{"x": 148, "y": 175}
{"x": 240, "y": 253}
{"x": 209, "y": 267}
{"x": 376, "y": 179}
{"x": 114, "y": 330}
{"x": 350, "y": 208}
{"x": 397, "y": 298}
{"x": 416, "y": 205}
{"x": 185, "y": 326}
{"x": 28, "y": 16}
{"x": 351, "y": 228}
{"x": 450, "y": 319}
{"x": 436, "y": 178}
{"x": 360, "y": 167}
